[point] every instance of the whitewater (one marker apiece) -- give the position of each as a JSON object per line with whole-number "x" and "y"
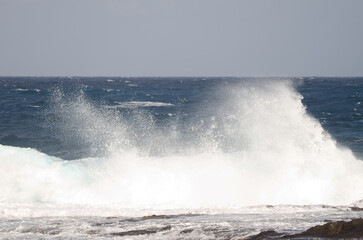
{"x": 248, "y": 158}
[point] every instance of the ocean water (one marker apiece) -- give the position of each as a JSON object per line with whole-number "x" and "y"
{"x": 177, "y": 158}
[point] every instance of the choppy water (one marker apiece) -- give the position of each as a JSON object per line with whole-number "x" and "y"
{"x": 85, "y": 157}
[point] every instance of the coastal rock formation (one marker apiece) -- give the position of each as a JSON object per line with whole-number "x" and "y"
{"x": 356, "y": 209}
{"x": 335, "y": 230}
{"x": 340, "y": 229}
{"x": 141, "y": 231}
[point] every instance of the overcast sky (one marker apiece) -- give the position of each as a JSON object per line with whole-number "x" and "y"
{"x": 181, "y": 37}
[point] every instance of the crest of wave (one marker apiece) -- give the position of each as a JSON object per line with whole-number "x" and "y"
{"x": 257, "y": 145}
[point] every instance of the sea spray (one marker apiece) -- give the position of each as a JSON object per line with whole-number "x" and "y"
{"x": 254, "y": 144}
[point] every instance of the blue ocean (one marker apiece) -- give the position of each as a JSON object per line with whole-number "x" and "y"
{"x": 177, "y": 158}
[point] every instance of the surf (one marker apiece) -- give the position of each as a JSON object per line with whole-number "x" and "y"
{"x": 253, "y": 144}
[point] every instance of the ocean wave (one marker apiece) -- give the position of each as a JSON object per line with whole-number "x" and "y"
{"x": 25, "y": 90}
{"x": 134, "y": 104}
{"x": 261, "y": 147}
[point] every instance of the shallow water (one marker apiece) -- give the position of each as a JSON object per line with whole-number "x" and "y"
{"x": 104, "y": 223}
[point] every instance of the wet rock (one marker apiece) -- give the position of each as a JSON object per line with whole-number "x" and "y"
{"x": 356, "y": 209}
{"x": 55, "y": 232}
{"x": 185, "y": 231}
{"x": 340, "y": 229}
{"x": 141, "y": 231}
{"x": 157, "y": 217}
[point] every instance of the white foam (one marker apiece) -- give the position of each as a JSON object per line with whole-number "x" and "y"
{"x": 108, "y": 89}
{"x": 25, "y": 90}
{"x": 133, "y": 104}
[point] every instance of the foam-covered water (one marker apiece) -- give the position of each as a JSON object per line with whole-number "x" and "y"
{"x": 174, "y": 225}
{"x": 219, "y": 149}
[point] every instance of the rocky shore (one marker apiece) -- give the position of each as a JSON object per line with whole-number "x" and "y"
{"x": 332, "y": 230}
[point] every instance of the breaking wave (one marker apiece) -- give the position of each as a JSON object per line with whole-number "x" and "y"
{"x": 257, "y": 146}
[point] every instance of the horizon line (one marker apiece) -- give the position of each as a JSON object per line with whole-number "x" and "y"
{"x": 110, "y": 76}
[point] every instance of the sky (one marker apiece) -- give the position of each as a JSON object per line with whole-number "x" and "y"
{"x": 181, "y": 38}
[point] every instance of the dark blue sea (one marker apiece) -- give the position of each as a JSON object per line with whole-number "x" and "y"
{"x": 31, "y": 116}
{"x": 208, "y": 151}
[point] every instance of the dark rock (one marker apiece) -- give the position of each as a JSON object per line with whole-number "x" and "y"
{"x": 141, "y": 231}
{"x": 187, "y": 231}
{"x": 55, "y": 232}
{"x": 356, "y": 209}
{"x": 340, "y": 229}
{"x": 157, "y": 217}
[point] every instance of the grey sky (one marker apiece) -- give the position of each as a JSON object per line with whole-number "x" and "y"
{"x": 181, "y": 37}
